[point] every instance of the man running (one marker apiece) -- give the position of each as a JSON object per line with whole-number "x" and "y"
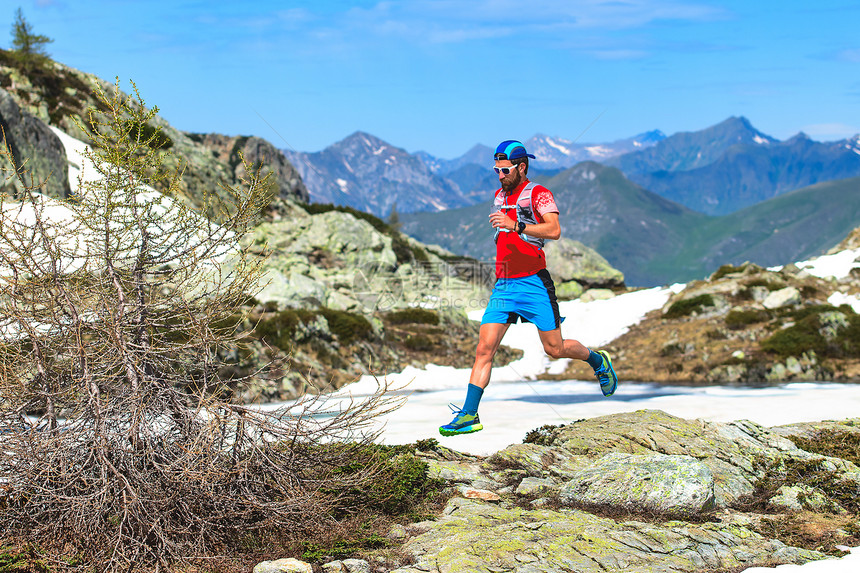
{"x": 525, "y": 215}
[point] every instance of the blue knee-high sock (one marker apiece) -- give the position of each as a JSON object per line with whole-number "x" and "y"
{"x": 473, "y": 398}
{"x": 594, "y": 359}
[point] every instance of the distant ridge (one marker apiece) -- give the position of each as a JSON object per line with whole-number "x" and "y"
{"x": 732, "y": 165}
{"x": 369, "y": 174}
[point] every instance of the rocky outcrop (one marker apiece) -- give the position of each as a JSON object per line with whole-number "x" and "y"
{"x": 747, "y": 325}
{"x": 344, "y": 262}
{"x": 61, "y": 96}
{"x": 481, "y": 537}
{"x": 35, "y": 148}
{"x": 256, "y": 151}
{"x": 641, "y": 491}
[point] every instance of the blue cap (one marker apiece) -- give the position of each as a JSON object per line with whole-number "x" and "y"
{"x": 511, "y": 149}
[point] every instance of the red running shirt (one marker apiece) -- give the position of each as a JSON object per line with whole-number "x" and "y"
{"x": 515, "y": 257}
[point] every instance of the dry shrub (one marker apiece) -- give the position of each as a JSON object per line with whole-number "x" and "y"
{"x": 118, "y": 443}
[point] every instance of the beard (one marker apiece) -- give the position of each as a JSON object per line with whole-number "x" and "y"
{"x": 511, "y": 182}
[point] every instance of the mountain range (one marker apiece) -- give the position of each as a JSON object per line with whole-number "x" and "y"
{"x": 369, "y": 174}
{"x": 716, "y": 171}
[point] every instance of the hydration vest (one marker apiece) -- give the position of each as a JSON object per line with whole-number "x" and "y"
{"x": 525, "y": 213}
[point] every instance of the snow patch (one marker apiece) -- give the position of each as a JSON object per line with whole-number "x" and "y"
{"x": 760, "y": 140}
{"x": 837, "y": 265}
{"x": 598, "y": 151}
{"x": 343, "y": 184}
{"x": 838, "y": 299}
{"x": 558, "y": 146}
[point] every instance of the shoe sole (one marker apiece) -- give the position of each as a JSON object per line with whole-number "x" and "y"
{"x": 466, "y": 430}
{"x": 612, "y": 371}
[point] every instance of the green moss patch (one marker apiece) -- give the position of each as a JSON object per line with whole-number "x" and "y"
{"x": 738, "y": 319}
{"x": 688, "y": 306}
{"x": 24, "y": 559}
{"x": 347, "y": 326}
{"x": 815, "y": 331}
{"x": 400, "y": 483}
{"x": 280, "y": 329}
{"x": 412, "y": 316}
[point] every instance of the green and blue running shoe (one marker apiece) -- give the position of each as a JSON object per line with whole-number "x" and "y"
{"x": 606, "y": 375}
{"x": 462, "y": 423}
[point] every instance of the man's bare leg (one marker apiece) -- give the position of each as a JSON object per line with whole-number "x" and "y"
{"x": 489, "y": 339}
{"x": 557, "y": 347}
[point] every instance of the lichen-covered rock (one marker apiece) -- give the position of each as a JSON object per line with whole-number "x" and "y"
{"x": 283, "y": 566}
{"x": 533, "y": 485}
{"x": 461, "y": 473}
{"x": 671, "y": 485}
{"x": 802, "y": 497}
{"x": 730, "y": 450}
{"x": 482, "y": 538}
{"x": 536, "y": 460}
{"x": 347, "y": 566}
{"x": 645, "y": 462}
{"x": 568, "y": 290}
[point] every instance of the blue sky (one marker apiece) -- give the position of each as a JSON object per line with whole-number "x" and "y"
{"x": 443, "y": 75}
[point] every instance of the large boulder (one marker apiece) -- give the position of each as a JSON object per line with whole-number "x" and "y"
{"x": 788, "y": 296}
{"x": 569, "y": 260}
{"x": 35, "y": 148}
{"x": 668, "y": 485}
{"x": 733, "y": 452}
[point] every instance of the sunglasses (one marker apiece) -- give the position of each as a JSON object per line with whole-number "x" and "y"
{"x": 505, "y": 170}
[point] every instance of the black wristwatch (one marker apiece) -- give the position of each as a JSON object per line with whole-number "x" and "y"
{"x": 521, "y": 227}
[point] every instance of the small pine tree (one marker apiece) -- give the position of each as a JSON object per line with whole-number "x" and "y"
{"x": 28, "y": 48}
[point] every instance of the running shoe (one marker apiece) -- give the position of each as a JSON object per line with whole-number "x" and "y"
{"x": 606, "y": 375}
{"x": 462, "y": 423}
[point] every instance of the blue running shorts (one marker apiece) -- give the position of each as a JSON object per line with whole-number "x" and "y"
{"x": 530, "y": 299}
